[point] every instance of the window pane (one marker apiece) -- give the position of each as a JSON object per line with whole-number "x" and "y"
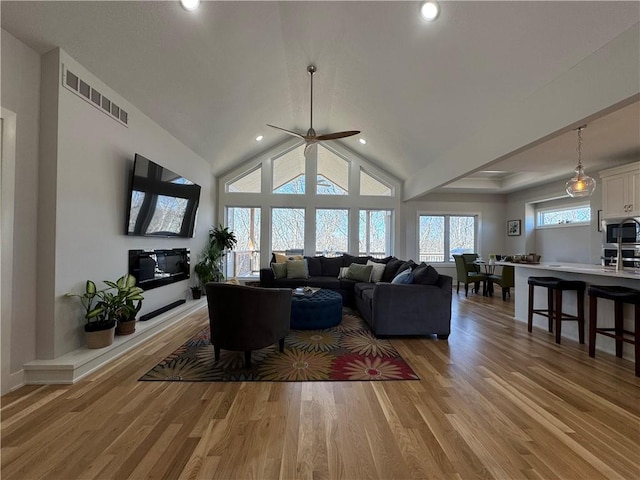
{"x": 374, "y": 233}
{"x": 244, "y": 260}
{"x": 332, "y": 231}
{"x": 461, "y": 235}
{"x": 287, "y": 229}
{"x": 249, "y": 183}
{"x": 288, "y": 172}
{"x": 564, "y": 215}
{"x": 333, "y": 173}
{"x": 372, "y": 186}
{"x": 431, "y": 236}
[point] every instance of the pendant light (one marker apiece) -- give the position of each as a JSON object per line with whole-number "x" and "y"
{"x": 581, "y": 185}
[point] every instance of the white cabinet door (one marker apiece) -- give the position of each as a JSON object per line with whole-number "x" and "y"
{"x": 634, "y": 194}
{"x": 615, "y": 193}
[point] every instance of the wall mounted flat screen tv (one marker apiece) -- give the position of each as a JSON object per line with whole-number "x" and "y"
{"x": 161, "y": 202}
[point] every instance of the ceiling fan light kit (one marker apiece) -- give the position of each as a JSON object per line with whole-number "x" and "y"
{"x": 581, "y": 185}
{"x": 311, "y": 138}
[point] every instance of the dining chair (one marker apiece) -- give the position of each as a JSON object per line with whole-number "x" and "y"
{"x": 467, "y": 272}
{"x": 505, "y": 280}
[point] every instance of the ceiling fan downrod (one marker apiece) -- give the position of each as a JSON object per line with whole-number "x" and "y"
{"x": 311, "y": 69}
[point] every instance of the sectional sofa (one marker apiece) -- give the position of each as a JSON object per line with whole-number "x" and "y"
{"x": 422, "y": 307}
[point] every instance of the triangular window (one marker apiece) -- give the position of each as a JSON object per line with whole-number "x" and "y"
{"x": 333, "y": 173}
{"x": 288, "y": 172}
{"x": 372, "y": 186}
{"x": 247, "y": 183}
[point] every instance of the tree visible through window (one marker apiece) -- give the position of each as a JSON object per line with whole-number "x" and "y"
{"x": 244, "y": 260}
{"x": 332, "y": 231}
{"x": 561, "y": 216}
{"x": 374, "y": 233}
{"x": 287, "y": 229}
{"x": 441, "y": 236}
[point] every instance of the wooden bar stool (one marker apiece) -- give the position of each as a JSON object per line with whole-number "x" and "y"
{"x": 620, "y": 296}
{"x": 555, "y": 287}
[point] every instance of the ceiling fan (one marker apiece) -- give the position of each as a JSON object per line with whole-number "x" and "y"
{"x": 311, "y": 137}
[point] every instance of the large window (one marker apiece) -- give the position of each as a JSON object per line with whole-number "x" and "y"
{"x": 553, "y": 217}
{"x": 247, "y": 183}
{"x": 333, "y": 173}
{"x": 287, "y": 229}
{"x": 441, "y": 236}
{"x": 332, "y": 231}
{"x": 374, "y": 233}
{"x": 244, "y": 259}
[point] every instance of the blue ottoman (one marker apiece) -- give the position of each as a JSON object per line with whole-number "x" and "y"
{"x": 321, "y": 310}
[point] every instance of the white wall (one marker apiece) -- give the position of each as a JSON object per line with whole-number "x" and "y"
{"x": 73, "y": 164}
{"x": 489, "y": 208}
{"x": 20, "y": 94}
{"x": 578, "y": 244}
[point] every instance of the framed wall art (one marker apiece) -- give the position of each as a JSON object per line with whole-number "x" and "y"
{"x": 513, "y": 228}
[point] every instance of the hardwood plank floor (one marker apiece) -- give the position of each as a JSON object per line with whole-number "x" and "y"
{"x": 493, "y": 402}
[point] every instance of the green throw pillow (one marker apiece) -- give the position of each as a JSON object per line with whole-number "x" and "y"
{"x": 359, "y": 273}
{"x": 279, "y": 270}
{"x": 297, "y": 269}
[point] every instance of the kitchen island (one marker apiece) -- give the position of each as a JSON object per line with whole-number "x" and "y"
{"x": 591, "y": 275}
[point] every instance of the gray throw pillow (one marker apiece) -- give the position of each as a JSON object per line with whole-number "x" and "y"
{"x": 343, "y": 272}
{"x": 359, "y": 273}
{"x": 297, "y": 269}
{"x": 279, "y": 270}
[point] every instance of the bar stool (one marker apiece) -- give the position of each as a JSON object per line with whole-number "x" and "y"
{"x": 620, "y": 296}
{"x": 555, "y": 287}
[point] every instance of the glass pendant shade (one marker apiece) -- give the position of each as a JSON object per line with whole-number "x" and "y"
{"x": 581, "y": 185}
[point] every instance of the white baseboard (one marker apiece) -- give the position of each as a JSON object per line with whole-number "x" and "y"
{"x": 73, "y": 366}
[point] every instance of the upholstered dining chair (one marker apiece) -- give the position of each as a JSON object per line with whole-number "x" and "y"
{"x": 467, "y": 272}
{"x": 247, "y": 318}
{"x": 505, "y": 280}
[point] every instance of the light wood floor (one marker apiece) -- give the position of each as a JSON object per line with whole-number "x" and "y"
{"x": 492, "y": 402}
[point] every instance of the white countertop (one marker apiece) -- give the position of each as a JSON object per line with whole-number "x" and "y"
{"x": 583, "y": 268}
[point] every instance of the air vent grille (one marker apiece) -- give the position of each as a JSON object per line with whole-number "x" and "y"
{"x": 85, "y": 91}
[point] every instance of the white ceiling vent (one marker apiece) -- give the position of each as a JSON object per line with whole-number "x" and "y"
{"x": 81, "y": 88}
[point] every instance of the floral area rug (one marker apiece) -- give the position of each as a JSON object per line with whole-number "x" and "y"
{"x": 348, "y": 351}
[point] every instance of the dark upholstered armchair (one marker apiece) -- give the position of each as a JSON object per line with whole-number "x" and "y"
{"x": 467, "y": 272}
{"x": 247, "y": 318}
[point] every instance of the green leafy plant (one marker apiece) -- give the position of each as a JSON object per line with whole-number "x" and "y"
{"x": 121, "y": 301}
{"x": 209, "y": 267}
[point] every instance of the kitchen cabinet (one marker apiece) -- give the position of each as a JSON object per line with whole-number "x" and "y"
{"x": 621, "y": 191}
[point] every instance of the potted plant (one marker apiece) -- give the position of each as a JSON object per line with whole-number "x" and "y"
{"x": 196, "y": 292}
{"x": 100, "y": 326}
{"x": 124, "y": 304}
{"x": 209, "y": 268}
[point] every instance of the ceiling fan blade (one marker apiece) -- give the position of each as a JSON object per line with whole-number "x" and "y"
{"x": 286, "y": 131}
{"x": 336, "y": 135}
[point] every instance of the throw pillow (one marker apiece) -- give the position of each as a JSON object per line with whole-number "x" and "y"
{"x": 349, "y": 259}
{"x": 376, "y": 271}
{"x": 391, "y": 270}
{"x": 425, "y": 274}
{"x": 279, "y": 258}
{"x": 297, "y": 269}
{"x": 404, "y": 277}
{"x": 343, "y": 272}
{"x": 279, "y": 270}
{"x": 315, "y": 266}
{"x": 359, "y": 272}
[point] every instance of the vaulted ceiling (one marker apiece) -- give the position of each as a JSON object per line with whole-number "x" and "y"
{"x": 426, "y": 96}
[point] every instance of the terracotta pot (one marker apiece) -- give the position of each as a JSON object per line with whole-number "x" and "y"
{"x": 126, "y": 328}
{"x": 100, "y": 338}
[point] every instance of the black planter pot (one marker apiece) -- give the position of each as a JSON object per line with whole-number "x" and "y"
{"x": 196, "y": 293}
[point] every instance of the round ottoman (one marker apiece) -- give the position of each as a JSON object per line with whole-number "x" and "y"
{"x": 321, "y": 310}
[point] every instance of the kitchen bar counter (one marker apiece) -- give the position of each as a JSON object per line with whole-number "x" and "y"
{"x": 591, "y": 275}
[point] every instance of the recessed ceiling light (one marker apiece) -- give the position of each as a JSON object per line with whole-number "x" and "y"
{"x": 259, "y": 138}
{"x": 363, "y": 141}
{"x": 190, "y": 4}
{"x": 430, "y": 10}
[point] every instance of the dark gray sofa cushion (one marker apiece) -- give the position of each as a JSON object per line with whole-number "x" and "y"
{"x": 349, "y": 259}
{"x": 391, "y": 269}
{"x": 425, "y": 274}
{"x": 331, "y": 266}
{"x": 315, "y": 266}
